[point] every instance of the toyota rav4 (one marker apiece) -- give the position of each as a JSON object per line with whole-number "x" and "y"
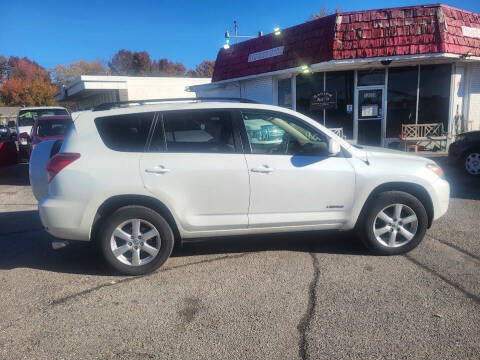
{"x": 136, "y": 179}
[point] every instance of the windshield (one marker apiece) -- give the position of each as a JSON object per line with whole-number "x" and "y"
{"x": 28, "y": 117}
{"x": 53, "y": 127}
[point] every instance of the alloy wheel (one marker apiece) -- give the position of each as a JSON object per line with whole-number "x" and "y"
{"x": 472, "y": 163}
{"x": 135, "y": 242}
{"x": 395, "y": 225}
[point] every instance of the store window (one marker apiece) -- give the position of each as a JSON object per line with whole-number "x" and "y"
{"x": 340, "y": 113}
{"x": 401, "y": 98}
{"x": 434, "y": 97}
{"x": 328, "y": 98}
{"x": 307, "y": 86}
{"x": 285, "y": 93}
{"x": 371, "y": 77}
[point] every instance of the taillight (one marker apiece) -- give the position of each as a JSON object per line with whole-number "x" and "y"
{"x": 58, "y": 162}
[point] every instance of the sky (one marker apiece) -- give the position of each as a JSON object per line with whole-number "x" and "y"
{"x": 59, "y": 32}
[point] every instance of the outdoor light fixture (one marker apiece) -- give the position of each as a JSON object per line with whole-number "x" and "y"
{"x": 305, "y": 69}
{"x": 277, "y": 31}
{"x": 226, "y": 45}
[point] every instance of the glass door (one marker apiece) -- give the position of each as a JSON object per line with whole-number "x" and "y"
{"x": 370, "y": 115}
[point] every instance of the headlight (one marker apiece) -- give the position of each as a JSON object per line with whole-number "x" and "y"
{"x": 436, "y": 169}
{"x": 23, "y": 141}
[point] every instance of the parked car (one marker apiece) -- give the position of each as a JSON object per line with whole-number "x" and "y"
{"x": 26, "y": 119}
{"x": 466, "y": 151}
{"x": 4, "y": 132}
{"x": 48, "y": 128}
{"x": 137, "y": 178}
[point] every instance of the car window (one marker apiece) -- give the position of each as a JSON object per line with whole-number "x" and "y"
{"x": 276, "y": 133}
{"x": 53, "y": 127}
{"x": 28, "y": 117}
{"x": 126, "y": 133}
{"x": 202, "y": 131}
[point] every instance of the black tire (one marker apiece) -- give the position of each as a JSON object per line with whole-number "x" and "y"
{"x": 145, "y": 214}
{"x": 365, "y": 228}
{"x": 470, "y": 153}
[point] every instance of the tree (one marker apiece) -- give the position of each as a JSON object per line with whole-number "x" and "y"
{"x": 25, "y": 83}
{"x": 165, "y": 67}
{"x": 205, "y": 68}
{"x": 324, "y": 13}
{"x": 63, "y": 74}
{"x": 141, "y": 63}
{"x": 122, "y": 63}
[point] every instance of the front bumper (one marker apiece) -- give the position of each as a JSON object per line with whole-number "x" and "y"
{"x": 440, "y": 198}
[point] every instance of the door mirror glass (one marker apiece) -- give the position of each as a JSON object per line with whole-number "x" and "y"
{"x": 333, "y": 147}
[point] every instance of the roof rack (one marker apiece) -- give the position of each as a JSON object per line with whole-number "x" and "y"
{"x": 111, "y": 105}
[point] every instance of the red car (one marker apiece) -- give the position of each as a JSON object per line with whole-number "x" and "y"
{"x": 53, "y": 127}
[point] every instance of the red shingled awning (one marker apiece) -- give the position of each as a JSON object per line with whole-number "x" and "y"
{"x": 355, "y": 35}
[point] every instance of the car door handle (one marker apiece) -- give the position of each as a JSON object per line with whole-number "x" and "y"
{"x": 265, "y": 169}
{"x": 157, "y": 170}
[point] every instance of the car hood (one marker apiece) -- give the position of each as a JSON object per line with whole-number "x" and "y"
{"x": 380, "y": 152}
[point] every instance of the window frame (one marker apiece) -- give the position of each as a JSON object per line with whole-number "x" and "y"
{"x": 159, "y": 120}
{"x": 246, "y": 142}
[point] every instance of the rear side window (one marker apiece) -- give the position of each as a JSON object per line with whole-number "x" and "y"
{"x": 126, "y": 133}
{"x": 195, "y": 132}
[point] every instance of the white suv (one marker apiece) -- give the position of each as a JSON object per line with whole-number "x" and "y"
{"x": 136, "y": 179}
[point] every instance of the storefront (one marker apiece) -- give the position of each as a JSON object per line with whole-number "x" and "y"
{"x": 366, "y": 74}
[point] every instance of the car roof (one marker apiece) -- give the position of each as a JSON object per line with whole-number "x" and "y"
{"x": 42, "y": 108}
{"x": 54, "y": 117}
{"x": 179, "y": 105}
{"x": 88, "y": 115}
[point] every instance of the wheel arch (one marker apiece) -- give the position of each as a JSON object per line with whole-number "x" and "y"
{"x": 110, "y": 205}
{"x": 410, "y": 188}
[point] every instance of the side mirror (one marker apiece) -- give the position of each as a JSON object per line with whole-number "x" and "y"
{"x": 333, "y": 148}
{"x": 24, "y": 138}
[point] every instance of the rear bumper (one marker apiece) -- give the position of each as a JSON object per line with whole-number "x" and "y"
{"x": 440, "y": 198}
{"x": 63, "y": 218}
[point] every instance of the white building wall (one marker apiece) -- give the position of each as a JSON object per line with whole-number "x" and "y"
{"x": 228, "y": 90}
{"x": 101, "y": 97}
{"x": 474, "y": 97}
{"x": 162, "y": 87}
{"x": 260, "y": 90}
{"x": 458, "y": 121}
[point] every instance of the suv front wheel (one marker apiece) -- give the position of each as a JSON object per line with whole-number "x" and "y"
{"x": 395, "y": 223}
{"x": 136, "y": 240}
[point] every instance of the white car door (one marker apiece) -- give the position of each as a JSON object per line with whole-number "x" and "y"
{"x": 195, "y": 166}
{"x": 293, "y": 180}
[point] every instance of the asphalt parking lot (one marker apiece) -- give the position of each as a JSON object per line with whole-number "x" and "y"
{"x": 307, "y": 296}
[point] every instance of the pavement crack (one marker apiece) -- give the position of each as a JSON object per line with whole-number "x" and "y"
{"x": 67, "y": 298}
{"x": 306, "y": 319}
{"x": 468, "y": 294}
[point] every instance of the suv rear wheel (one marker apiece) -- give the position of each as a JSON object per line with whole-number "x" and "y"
{"x": 136, "y": 240}
{"x": 395, "y": 223}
